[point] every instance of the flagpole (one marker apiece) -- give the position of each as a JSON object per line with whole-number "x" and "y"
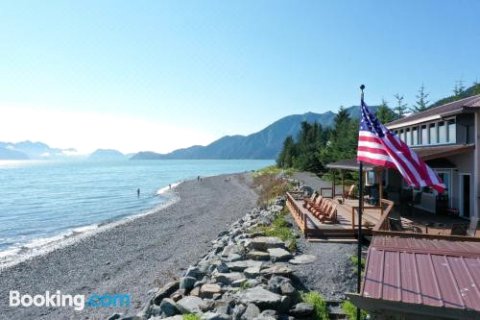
{"x": 360, "y": 211}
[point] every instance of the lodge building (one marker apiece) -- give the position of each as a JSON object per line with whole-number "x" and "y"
{"x": 447, "y": 138}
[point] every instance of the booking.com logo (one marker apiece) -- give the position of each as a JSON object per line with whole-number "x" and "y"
{"x": 78, "y": 302}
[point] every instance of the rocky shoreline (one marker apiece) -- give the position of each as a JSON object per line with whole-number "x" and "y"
{"x": 245, "y": 275}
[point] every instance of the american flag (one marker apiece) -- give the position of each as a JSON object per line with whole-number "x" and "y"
{"x": 381, "y": 147}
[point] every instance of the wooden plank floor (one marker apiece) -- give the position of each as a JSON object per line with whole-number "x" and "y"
{"x": 313, "y": 228}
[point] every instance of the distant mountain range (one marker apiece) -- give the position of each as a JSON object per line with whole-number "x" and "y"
{"x": 107, "y": 154}
{"x": 31, "y": 150}
{"x": 265, "y": 144}
{"x": 27, "y": 150}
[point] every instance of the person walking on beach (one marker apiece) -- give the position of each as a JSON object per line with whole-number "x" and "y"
{"x": 138, "y": 193}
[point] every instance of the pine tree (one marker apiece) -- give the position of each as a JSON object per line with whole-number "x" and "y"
{"x": 384, "y": 113}
{"x": 401, "y": 107}
{"x": 422, "y": 102}
{"x": 459, "y": 89}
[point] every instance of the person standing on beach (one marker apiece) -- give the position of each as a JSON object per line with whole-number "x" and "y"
{"x": 138, "y": 193}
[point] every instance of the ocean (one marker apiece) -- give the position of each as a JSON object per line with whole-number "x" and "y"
{"x": 45, "y": 204}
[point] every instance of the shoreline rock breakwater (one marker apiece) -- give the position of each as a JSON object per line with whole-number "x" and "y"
{"x": 245, "y": 275}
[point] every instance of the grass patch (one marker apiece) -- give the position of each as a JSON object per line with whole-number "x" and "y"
{"x": 274, "y": 170}
{"x": 245, "y": 285}
{"x": 320, "y": 306}
{"x": 354, "y": 260}
{"x": 280, "y": 228}
{"x": 191, "y": 316}
{"x": 351, "y": 311}
{"x": 270, "y": 186}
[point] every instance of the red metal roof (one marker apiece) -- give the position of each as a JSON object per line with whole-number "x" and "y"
{"x": 436, "y": 273}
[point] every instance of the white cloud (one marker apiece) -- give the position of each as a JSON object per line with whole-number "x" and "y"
{"x": 87, "y": 131}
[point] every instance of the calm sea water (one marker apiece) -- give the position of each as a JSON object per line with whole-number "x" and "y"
{"x": 42, "y": 202}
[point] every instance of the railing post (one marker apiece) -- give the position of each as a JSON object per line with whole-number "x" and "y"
{"x": 305, "y": 225}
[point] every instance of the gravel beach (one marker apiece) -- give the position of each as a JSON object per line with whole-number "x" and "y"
{"x": 134, "y": 257}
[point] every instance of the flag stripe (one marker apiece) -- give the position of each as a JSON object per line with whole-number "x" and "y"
{"x": 379, "y": 146}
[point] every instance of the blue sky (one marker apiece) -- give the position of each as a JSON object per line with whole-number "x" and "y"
{"x": 159, "y": 75}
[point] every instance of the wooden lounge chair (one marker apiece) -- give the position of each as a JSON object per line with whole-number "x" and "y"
{"x": 312, "y": 206}
{"x": 326, "y": 213}
{"x": 309, "y": 201}
{"x": 330, "y": 215}
{"x": 319, "y": 206}
{"x": 350, "y": 193}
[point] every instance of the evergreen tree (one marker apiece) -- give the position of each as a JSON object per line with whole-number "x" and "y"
{"x": 287, "y": 155}
{"x": 459, "y": 89}
{"x": 384, "y": 113}
{"x": 343, "y": 138}
{"x": 422, "y": 102}
{"x": 401, "y": 107}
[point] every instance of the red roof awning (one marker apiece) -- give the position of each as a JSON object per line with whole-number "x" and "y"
{"x": 439, "y": 277}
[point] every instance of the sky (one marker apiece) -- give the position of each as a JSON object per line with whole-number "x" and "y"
{"x": 162, "y": 75}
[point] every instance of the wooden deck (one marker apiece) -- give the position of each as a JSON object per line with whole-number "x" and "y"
{"x": 346, "y": 226}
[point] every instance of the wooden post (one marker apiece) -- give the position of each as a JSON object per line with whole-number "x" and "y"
{"x": 305, "y": 225}
{"x": 380, "y": 188}
{"x": 333, "y": 184}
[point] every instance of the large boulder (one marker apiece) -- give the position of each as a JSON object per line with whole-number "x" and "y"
{"x": 190, "y": 304}
{"x": 229, "y": 278}
{"x": 215, "y": 316}
{"x": 279, "y": 254}
{"x": 208, "y": 290}
{"x": 264, "y": 243}
{"x": 166, "y": 291}
{"x": 277, "y": 270}
{"x": 187, "y": 283}
{"x": 251, "y": 312}
{"x": 303, "y": 259}
{"x": 264, "y": 299}
{"x": 168, "y": 307}
{"x": 302, "y": 310}
{"x": 244, "y": 264}
{"x": 258, "y": 255}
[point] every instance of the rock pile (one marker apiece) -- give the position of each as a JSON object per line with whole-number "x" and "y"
{"x": 245, "y": 276}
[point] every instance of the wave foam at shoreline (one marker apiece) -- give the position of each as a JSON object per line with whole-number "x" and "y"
{"x": 18, "y": 253}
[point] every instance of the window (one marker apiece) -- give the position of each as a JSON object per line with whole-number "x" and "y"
{"x": 442, "y": 132}
{"x": 370, "y": 178}
{"x": 433, "y": 134}
{"x": 445, "y": 177}
{"x": 452, "y": 131}
{"x": 424, "y": 135}
{"x": 415, "y": 136}
{"x": 408, "y": 137}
